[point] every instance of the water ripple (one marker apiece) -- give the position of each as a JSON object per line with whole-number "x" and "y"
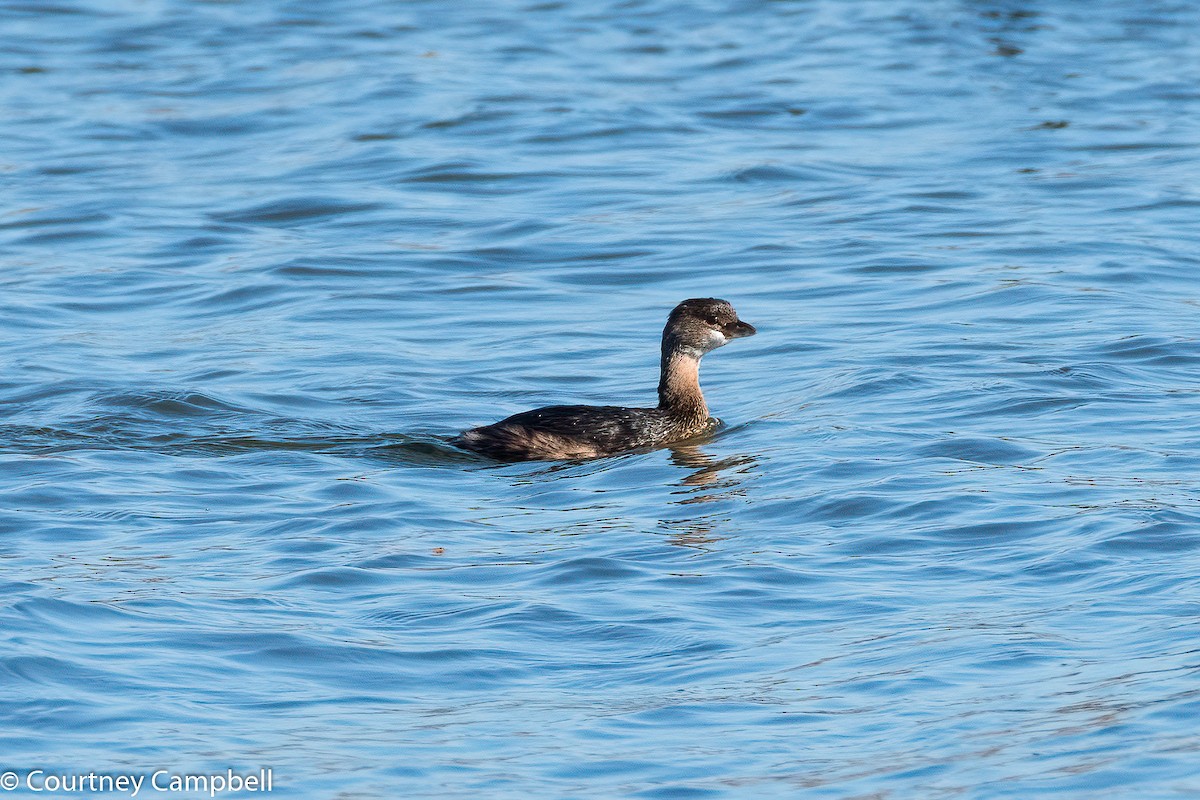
{"x": 261, "y": 262}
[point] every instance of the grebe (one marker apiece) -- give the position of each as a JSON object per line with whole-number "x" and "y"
{"x": 568, "y": 432}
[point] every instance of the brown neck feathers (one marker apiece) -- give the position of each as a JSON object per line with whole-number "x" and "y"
{"x": 679, "y": 385}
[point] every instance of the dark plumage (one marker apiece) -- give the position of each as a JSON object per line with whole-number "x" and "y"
{"x": 561, "y": 432}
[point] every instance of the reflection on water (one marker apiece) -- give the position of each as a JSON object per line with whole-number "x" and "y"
{"x": 708, "y": 471}
{"x": 711, "y": 480}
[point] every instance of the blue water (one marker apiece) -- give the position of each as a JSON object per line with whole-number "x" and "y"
{"x": 260, "y": 259}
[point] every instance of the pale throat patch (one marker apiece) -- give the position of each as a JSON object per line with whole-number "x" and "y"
{"x": 716, "y": 338}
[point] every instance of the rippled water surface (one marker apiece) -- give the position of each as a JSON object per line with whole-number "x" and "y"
{"x": 259, "y": 260}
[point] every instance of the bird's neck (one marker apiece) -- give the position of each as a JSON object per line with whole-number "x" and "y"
{"x": 679, "y": 384}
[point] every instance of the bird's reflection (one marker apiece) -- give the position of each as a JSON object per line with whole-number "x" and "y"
{"x": 710, "y": 480}
{"x": 699, "y": 505}
{"x": 708, "y": 471}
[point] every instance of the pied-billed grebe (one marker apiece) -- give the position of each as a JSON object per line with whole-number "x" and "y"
{"x": 566, "y": 432}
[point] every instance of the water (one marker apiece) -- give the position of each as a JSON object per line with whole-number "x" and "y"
{"x": 260, "y": 259}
